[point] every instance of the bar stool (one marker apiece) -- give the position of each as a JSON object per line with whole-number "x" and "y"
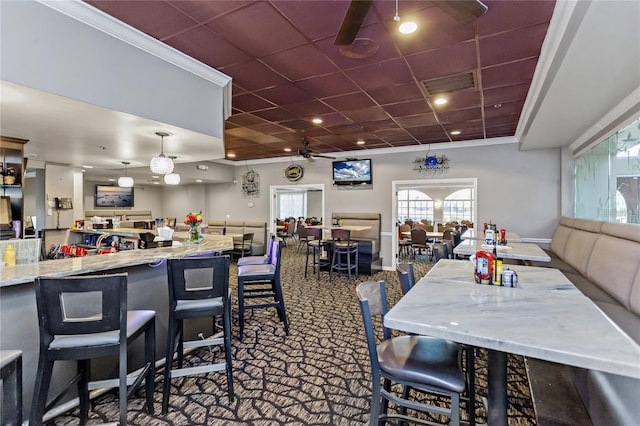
{"x": 258, "y": 260}
{"x": 315, "y": 248}
{"x": 345, "y": 253}
{"x": 198, "y": 288}
{"x": 81, "y": 318}
{"x": 262, "y": 282}
{"x": 11, "y": 376}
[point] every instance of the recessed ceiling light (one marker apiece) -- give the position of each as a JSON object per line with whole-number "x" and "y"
{"x": 156, "y": 183}
{"x": 497, "y": 106}
{"x": 360, "y": 142}
{"x": 88, "y": 167}
{"x": 82, "y": 170}
{"x": 231, "y": 155}
{"x": 408, "y": 27}
{"x": 31, "y": 155}
{"x": 440, "y": 101}
{"x": 287, "y": 150}
{"x": 198, "y": 180}
{"x": 155, "y": 177}
{"x": 456, "y": 132}
{"x": 111, "y": 180}
{"x": 317, "y": 121}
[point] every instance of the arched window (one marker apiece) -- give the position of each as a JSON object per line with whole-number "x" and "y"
{"x": 458, "y": 206}
{"x": 414, "y": 205}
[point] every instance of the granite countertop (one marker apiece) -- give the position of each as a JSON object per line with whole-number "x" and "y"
{"x": 25, "y": 273}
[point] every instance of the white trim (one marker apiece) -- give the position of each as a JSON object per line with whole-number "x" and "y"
{"x": 89, "y": 15}
{"x": 383, "y": 151}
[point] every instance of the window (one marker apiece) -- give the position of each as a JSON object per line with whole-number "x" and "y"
{"x": 607, "y": 178}
{"x": 458, "y": 206}
{"x": 414, "y": 205}
{"x": 292, "y": 204}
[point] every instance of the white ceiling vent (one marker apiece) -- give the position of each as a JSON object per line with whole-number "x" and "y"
{"x": 450, "y": 84}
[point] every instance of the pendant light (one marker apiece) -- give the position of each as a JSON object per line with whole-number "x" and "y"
{"x": 407, "y": 27}
{"x": 125, "y": 181}
{"x": 172, "y": 178}
{"x": 161, "y": 164}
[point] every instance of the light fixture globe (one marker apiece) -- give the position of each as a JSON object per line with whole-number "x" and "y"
{"x": 125, "y": 181}
{"x": 172, "y": 178}
{"x": 160, "y": 164}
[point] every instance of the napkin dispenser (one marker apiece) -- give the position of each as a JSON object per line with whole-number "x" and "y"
{"x": 147, "y": 241}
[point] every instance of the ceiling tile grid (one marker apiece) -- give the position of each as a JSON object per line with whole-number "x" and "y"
{"x": 287, "y": 70}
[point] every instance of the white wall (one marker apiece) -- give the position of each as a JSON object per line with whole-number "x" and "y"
{"x": 145, "y": 197}
{"x": 519, "y": 191}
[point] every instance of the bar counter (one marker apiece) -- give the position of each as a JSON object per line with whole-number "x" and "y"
{"x": 147, "y": 289}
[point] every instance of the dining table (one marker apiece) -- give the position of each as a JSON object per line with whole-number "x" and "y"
{"x": 471, "y": 234}
{"x": 544, "y": 316}
{"x": 512, "y": 250}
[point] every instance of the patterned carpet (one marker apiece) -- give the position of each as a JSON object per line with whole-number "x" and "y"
{"x": 318, "y": 375}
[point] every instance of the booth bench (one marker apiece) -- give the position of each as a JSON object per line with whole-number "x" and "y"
{"x": 369, "y": 260}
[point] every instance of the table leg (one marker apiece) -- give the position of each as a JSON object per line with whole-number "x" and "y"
{"x": 497, "y": 415}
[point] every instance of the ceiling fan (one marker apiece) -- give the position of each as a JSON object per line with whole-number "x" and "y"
{"x": 463, "y": 11}
{"x": 309, "y": 154}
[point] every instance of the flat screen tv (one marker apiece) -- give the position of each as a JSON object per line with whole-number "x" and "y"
{"x": 352, "y": 172}
{"x": 113, "y": 196}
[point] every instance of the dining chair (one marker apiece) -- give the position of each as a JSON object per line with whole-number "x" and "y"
{"x": 318, "y": 249}
{"x": 86, "y": 317}
{"x": 198, "y": 288}
{"x": 345, "y": 254}
{"x": 303, "y": 236}
{"x": 259, "y": 260}
{"x": 11, "y": 379}
{"x": 423, "y": 363}
{"x": 419, "y": 241}
{"x": 244, "y": 246}
{"x": 406, "y": 276}
{"x": 262, "y": 282}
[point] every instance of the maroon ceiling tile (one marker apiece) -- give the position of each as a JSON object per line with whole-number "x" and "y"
{"x": 500, "y": 120}
{"x": 308, "y": 109}
{"x": 372, "y": 45}
{"x": 463, "y": 126}
{"x": 289, "y": 137}
{"x": 397, "y": 93}
{"x": 265, "y": 30}
{"x": 381, "y": 74}
{"x": 367, "y": 114}
{"x": 506, "y": 109}
{"x": 443, "y": 62}
{"x": 518, "y": 44}
{"x": 513, "y": 73}
{"x": 300, "y": 62}
{"x": 285, "y": 94}
{"x": 297, "y": 124}
{"x": 379, "y": 125}
{"x": 242, "y": 132}
{"x": 274, "y": 114}
{"x": 248, "y": 102}
{"x": 203, "y": 11}
{"x": 205, "y": 46}
{"x": 470, "y": 135}
{"x": 236, "y": 111}
{"x": 346, "y": 128}
{"x": 464, "y": 99}
{"x": 334, "y": 119}
{"x": 506, "y": 93}
{"x": 317, "y": 131}
{"x": 408, "y": 142}
{"x": 328, "y": 85}
{"x": 265, "y": 139}
{"x": 422, "y": 132}
{"x": 155, "y": 18}
{"x": 408, "y": 108}
{"x": 316, "y": 18}
{"x": 462, "y": 115}
{"x": 268, "y": 128}
{"x": 417, "y": 120}
{"x": 406, "y": 8}
{"x": 328, "y": 140}
{"x": 350, "y": 101}
{"x": 253, "y": 75}
{"x": 435, "y": 30}
{"x": 507, "y": 15}
{"x": 391, "y": 134}
{"x": 245, "y": 120}
{"x": 501, "y": 131}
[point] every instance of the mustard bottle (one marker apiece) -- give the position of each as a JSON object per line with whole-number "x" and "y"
{"x": 9, "y": 256}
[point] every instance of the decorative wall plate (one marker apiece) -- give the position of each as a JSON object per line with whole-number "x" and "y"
{"x": 293, "y": 173}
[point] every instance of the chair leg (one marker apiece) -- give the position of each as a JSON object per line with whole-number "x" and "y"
{"x": 150, "y": 360}
{"x": 471, "y": 380}
{"x": 122, "y": 388}
{"x": 84, "y": 369}
{"x": 227, "y": 350}
{"x": 40, "y": 390}
{"x": 170, "y": 350}
{"x": 375, "y": 402}
{"x": 241, "y": 306}
{"x": 281, "y": 308}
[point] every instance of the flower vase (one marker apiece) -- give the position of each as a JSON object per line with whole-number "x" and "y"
{"x": 194, "y": 234}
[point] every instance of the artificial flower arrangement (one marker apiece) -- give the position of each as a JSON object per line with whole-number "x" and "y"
{"x": 194, "y": 220}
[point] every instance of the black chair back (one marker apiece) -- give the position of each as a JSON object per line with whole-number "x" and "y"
{"x": 195, "y": 278}
{"x": 406, "y": 276}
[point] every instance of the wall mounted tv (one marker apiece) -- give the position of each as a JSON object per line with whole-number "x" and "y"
{"x": 352, "y": 172}
{"x": 113, "y": 196}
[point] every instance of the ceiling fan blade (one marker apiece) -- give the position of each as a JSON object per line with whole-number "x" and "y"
{"x": 463, "y": 11}
{"x": 352, "y": 22}
{"x": 323, "y": 156}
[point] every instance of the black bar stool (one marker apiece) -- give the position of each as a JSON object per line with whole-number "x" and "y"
{"x": 262, "y": 282}
{"x": 315, "y": 247}
{"x": 11, "y": 376}
{"x": 86, "y": 317}
{"x": 198, "y": 288}
{"x": 345, "y": 253}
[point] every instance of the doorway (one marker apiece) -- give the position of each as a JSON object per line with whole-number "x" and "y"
{"x": 437, "y": 192}
{"x": 312, "y": 195}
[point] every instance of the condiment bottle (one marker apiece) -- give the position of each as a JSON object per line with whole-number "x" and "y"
{"x": 10, "y": 256}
